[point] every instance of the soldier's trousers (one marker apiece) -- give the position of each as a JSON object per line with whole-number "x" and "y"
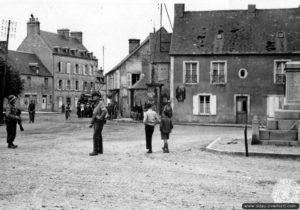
{"x": 97, "y": 138}
{"x": 11, "y": 129}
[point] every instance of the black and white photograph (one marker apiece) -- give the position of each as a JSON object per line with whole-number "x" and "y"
{"x": 145, "y": 104}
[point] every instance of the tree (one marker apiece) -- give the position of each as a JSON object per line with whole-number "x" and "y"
{"x": 13, "y": 84}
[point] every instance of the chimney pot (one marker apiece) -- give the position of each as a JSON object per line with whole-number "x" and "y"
{"x": 33, "y": 26}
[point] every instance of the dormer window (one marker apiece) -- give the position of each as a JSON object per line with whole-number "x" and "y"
{"x": 57, "y": 49}
{"x": 66, "y": 50}
{"x": 280, "y": 34}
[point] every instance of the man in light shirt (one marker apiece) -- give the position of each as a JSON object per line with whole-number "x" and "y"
{"x": 151, "y": 118}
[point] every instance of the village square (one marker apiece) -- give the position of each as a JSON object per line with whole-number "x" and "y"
{"x": 201, "y": 114}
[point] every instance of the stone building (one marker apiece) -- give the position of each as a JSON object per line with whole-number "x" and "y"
{"x": 37, "y": 80}
{"x": 73, "y": 67}
{"x": 227, "y": 66}
{"x": 137, "y": 78}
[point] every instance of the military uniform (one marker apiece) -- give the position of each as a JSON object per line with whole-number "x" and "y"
{"x": 11, "y": 122}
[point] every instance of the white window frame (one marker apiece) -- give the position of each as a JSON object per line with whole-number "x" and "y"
{"x": 68, "y": 68}
{"x": 274, "y": 69}
{"x": 212, "y": 104}
{"x": 211, "y": 71}
{"x": 197, "y": 71}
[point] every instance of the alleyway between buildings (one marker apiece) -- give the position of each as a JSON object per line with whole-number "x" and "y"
{"x": 51, "y": 169}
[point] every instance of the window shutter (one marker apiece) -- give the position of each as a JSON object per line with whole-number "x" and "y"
{"x": 213, "y": 105}
{"x": 184, "y": 73}
{"x": 195, "y": 105}
{"x": 128, "y": 79}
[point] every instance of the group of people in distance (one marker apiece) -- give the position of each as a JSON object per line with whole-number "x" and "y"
{"x": 151, "y": 119}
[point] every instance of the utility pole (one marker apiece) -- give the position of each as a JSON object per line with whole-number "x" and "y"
{"x": 7, "y": 26}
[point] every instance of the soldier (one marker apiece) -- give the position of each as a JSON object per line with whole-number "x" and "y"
{"x": 11, "y": 121}
{"x": 98, "y": 121}
{"x": 31, "y": 111}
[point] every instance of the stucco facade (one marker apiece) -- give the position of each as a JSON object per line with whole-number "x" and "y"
{"x": 227, "y": 66}
{"x": 73, "y": 67}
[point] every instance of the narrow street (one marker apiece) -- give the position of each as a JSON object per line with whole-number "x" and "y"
{"x": 52, "y": 169}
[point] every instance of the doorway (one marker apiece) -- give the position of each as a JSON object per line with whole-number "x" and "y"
{"x": 44, "y": 102}
{"x": 241, "y": 109}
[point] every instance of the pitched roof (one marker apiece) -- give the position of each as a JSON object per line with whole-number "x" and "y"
{"x": 159, "y": 46}
{"x": 128, "y": 56}
{"x": 21, "y": 60}
{"x": 236, "y": 31}
{"x": 53, "y": 40}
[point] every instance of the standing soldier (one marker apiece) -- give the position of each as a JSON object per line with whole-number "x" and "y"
{"x": 31, "y": 111}
{"x": 98, "y": 121}
{"x": 11, "y": 121}
{"x": 68, "y": 111}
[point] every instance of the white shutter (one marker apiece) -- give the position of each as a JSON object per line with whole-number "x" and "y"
{"x": 184, "y": 72}
{"x": 196, "y": 105}
{"x": 128, "y": 79}
{"x": 213, "y": 104}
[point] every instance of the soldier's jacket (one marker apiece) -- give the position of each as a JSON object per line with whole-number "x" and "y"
{"x": 11, "y": 114}
{"x": 99, "y": 113}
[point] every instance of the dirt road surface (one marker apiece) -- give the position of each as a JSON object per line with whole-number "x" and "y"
{"x": 51, "y": 169}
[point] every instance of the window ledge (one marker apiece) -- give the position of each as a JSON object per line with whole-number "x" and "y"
{"x": 218, "y": 83}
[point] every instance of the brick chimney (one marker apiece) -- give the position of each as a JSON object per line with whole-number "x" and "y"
{"x": 133, "y": 44}
{"x": 65, "y": 33}
{"x": 33, "y": 26}
{"x": 77, "y": 35}
{"x": 179, "y": 10}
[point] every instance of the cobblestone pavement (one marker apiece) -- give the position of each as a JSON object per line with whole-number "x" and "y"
{"x": 51, "y": 169}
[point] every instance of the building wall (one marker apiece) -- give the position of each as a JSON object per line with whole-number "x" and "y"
{"x": 137, "y": 63}
{"x": 73, "y": 76}
{"x": 36, "y": 91}
{"x": 36, "y": 45}
{"x": 257, "y": 85}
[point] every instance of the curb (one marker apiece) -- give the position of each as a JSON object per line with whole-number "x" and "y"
{"x": 210, "y": 148}
{"x": 185, "y": 123}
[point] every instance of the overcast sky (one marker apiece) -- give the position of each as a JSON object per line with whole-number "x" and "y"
{"x": 110, "y": 23}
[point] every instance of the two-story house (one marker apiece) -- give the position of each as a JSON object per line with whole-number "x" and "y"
{"x": 139, "y": 77}
{"x": 37, "y": 80}
{"x": 73, "y": 67}
{"x": 227, "y": 66}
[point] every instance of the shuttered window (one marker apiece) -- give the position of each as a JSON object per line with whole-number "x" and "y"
{"x": 204, "y": 104}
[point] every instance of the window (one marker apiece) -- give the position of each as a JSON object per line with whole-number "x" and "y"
{"x": 191, "y": 71}
{"x": 218, "y": 71}
{"x": 204, "y": 104}
{"x": 59, "y": 66}
{"x": 92, "y": 86}
{"x": 85, "y": 86}
{"x": 76, "y": 71}
{"x": 76, "y": 85}
{"x": 68, "y": 85}
{"x": 46, "y": 82}
{"x": 243, "y": 73}
{"x": 68, "y": 68}
{"x": 29, "y": 82}
{"x": 279, "y": 74}
{"x": 90, "y": 70}
{"x": 60, "y": 84}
